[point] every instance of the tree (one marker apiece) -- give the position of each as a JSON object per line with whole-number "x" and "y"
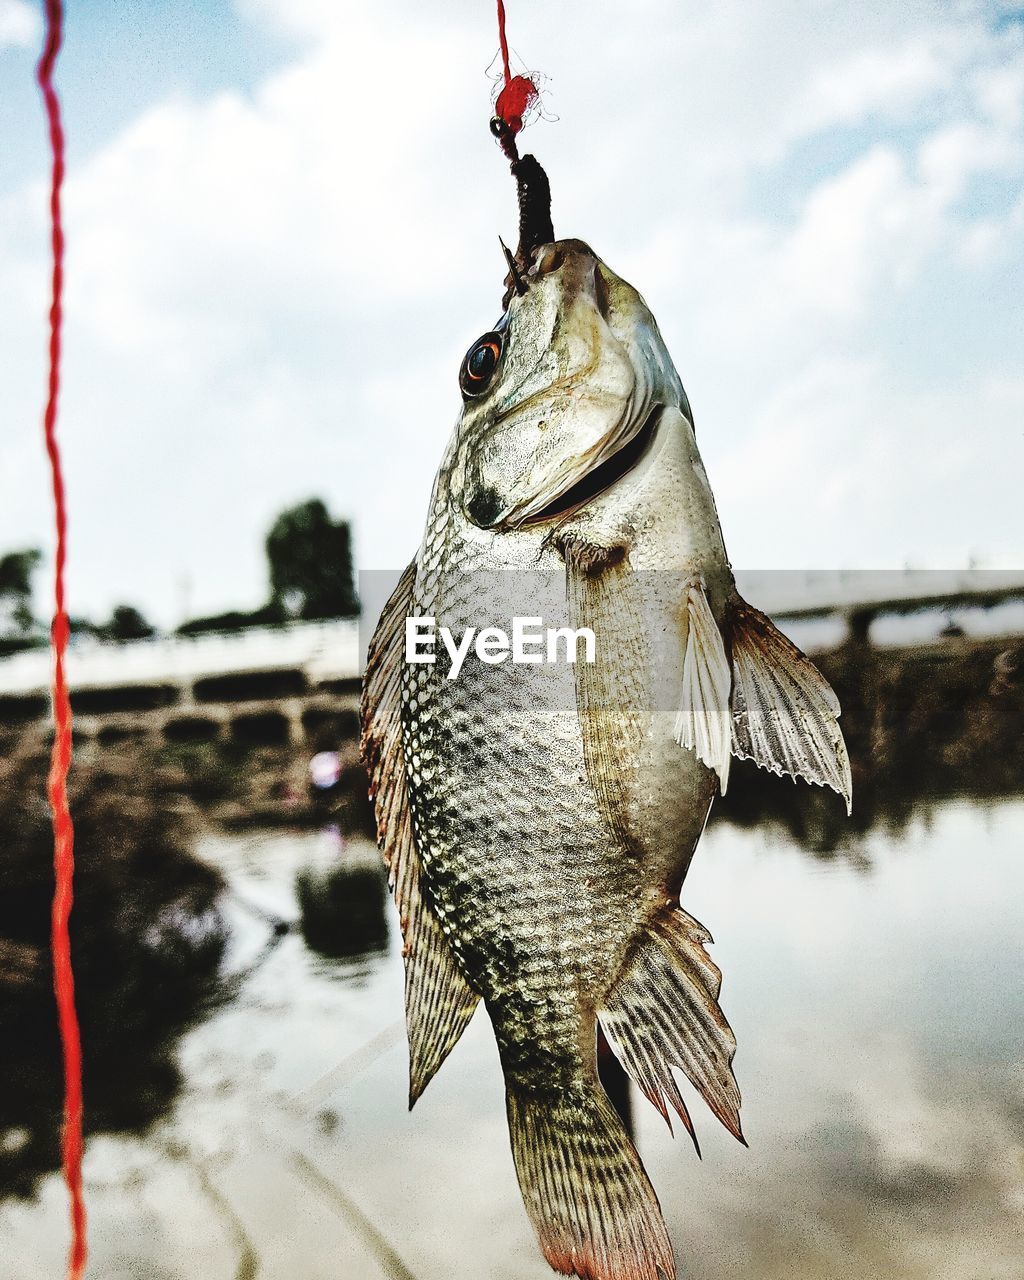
{"x": 268, "y": 615}
{"x": 127, "y": 623}
{"x": 310, "y": 558}
{"x": 16, "y": 569}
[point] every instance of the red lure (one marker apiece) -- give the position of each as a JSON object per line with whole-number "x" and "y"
{"x": 519, "y": 92}
{"x": 60, "y": 763}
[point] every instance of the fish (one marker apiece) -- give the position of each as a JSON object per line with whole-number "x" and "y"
{"x": 538, "y": 819}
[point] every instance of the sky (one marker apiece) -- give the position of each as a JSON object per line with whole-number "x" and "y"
{"x": 283, "y": 221}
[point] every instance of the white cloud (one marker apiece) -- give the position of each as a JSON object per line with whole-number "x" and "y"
{"x": 269, "y": 292}
{"x": 987, "y": 240}
{"x": 886, "y": 80}
{"x": 19, "y": 24}
{"x": 857, "y": 450}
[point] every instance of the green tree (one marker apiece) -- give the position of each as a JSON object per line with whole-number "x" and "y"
{"x": 310, "y": 558}
{"x": 16, "y": 569}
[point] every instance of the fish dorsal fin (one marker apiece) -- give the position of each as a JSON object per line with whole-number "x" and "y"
{"x": 703, "y": 721}
{"x": 438, "y": 1001}
{"x": 663, "y": 1012}
{"x": 785, "y": 716}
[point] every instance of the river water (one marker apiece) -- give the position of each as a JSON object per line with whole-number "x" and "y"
{"x": 877, "y": 995}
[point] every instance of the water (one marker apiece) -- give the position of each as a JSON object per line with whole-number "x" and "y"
{"x": 877, "y": 995}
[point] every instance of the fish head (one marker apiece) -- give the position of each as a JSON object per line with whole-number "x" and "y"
{"x": 568, "y": 381}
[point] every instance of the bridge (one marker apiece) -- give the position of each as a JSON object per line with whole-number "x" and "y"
{"x": 859, "y": 598}
{"x": 296, "y": 683}
{"x": 260, "y": 687}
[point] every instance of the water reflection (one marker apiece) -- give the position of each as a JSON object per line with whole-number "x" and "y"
{"x": 879, "y": 1019}
{"x": 247, "y": 1067}
{"x": 922, "y": 726}
{"x": 344, "y": 905}
{"x": 147, "y": 938}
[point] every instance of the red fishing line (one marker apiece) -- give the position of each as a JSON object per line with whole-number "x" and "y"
{"x": 519, "y": 92}
{"x": 60, "y": 763}
{"x": 503, "y": 40}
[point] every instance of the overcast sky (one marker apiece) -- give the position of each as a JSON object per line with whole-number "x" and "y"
{"x": 283, "y": 220}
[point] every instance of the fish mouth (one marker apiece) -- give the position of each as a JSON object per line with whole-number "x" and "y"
{"x": 603, "y": 476}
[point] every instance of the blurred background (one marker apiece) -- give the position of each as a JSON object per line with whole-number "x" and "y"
{"x": 282, "y": 221}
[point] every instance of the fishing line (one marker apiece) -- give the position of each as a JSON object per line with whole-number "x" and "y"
{"x": 517, "y": 96}
{"x": 503, "y": 41}
{"x": 60, "y": 760}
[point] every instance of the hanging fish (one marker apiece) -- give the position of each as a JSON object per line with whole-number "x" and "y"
{"x": 538, "y": 820}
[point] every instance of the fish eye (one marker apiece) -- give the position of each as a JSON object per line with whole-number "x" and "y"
{"x": 479, "y": 365}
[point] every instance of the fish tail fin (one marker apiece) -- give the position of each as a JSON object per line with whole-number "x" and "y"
{"x": 590, "y": 1201}
{"x": 663, "y": 1012}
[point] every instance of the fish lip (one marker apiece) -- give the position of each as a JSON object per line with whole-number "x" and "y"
{"x": 602, "y": 477}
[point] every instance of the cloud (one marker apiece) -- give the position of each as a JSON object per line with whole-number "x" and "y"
{"x": 19, "y": 24}
{"x": 854, "y": 450}
{"x": 269, "y": 292}
{"x": 887, "y": 81}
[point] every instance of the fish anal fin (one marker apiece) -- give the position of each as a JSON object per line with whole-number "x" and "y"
{"x": 438, "y": 1001}
{"x": 663, "y": 1013}
{"x": 785, "y": 715}
{"x": 703, "y": 722}
{"x": 588, "y": 1197}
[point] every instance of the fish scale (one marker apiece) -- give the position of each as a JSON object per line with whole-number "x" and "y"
{"x": 499, "y": 870}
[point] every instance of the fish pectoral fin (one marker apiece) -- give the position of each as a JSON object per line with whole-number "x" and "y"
{"x": 438, "y": 1001}
{"x": 703, "y": 721}
{"x": 663, "y": 1012}
{"x": 785, "y": 715}
{"x": 588, "y": 1197}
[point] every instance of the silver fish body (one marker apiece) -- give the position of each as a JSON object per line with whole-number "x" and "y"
{"x": 539, "y": 819}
